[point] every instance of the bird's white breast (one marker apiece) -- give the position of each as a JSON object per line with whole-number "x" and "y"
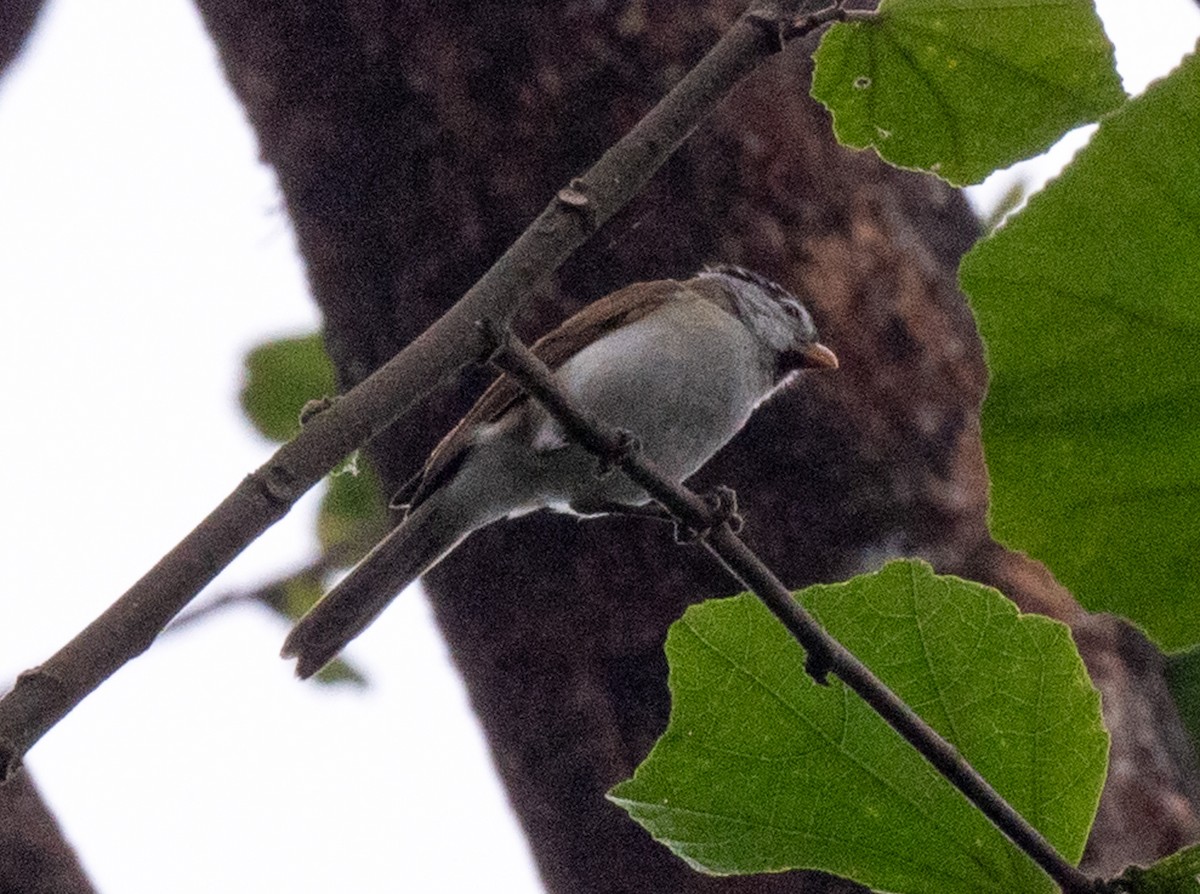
{"x": 684, "y": 380}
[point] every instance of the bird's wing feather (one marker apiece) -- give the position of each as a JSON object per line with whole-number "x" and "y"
{"x": 621, "y": 308}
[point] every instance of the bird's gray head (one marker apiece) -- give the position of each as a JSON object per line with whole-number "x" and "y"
{"x": 776, "y": 316}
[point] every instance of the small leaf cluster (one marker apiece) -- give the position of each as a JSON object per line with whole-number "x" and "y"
{"x": 281, "y": 379}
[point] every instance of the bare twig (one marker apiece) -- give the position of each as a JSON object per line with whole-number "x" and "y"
{"x": 272, "y": 594}
{"x": 824, "y": 653}
{"x": 42, "y": 696}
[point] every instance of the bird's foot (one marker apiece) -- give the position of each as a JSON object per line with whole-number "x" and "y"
{"x": 627, "y": 445}
{"x": 722, "y": 506}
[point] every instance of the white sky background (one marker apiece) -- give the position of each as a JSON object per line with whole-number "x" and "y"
{"x": 142, "y": 251}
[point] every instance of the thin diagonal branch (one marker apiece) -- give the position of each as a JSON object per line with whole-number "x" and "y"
{"x": 825, "y": 653}
{"x": 272, "y": 594}
{"x": 44, "y": 695}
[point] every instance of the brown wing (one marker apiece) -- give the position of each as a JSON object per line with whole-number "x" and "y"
{"x": 622, "y": 307}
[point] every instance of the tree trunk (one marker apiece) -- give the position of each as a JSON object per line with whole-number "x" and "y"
{"x": 34, "y": 856}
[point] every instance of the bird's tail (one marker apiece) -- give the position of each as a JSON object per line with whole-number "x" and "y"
{"x": 410, "y": 550}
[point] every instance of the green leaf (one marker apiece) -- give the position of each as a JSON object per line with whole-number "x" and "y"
{"x": 280, "y": 378}
{"x": 1176, "y": 874}
{"x": 963, "y": 87}
{"x": 1008, "y": 203}
{"x": 352, "y": 513}
{"x": 297, "y": 595}
{"x": 1183, "y": 679}
{"x": 762, "y": 770}
{"x": 1089, "y": 306}
{"x": 338, "y": 672}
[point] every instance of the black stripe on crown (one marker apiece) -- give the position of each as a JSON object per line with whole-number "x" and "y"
{"x": 769, "y": 286}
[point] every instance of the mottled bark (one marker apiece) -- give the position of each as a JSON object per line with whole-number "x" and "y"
{"x": 413, "y": 141}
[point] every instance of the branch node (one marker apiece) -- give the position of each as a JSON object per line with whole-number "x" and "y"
{"x": 723, "y": 508}
{"x": 47, "y": 685}
{"x": 805, "y": 25}
{"x": 574, "y": 197}
{"x": 770, "y": 25}
{"x": 720, "y": 508}
{"x": 818, "y": 664}
{"x": 496, "y": 339}
{"x": 277, "y": 483}
{"x": 41, "y": 689}
{"x": 315, "y": 407}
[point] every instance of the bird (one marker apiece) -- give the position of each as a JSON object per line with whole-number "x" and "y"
{"x": 679, "y": 365}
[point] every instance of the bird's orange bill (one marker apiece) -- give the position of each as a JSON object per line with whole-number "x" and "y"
{"x": 817, "y": 356}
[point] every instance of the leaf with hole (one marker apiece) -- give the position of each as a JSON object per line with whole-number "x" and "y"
{"x": 963, "y": 87}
